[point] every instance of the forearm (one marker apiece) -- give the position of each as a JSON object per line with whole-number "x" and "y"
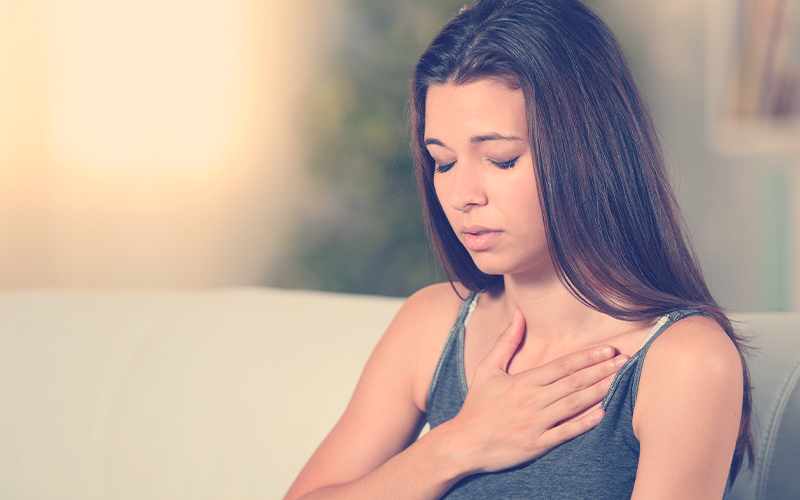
{"x": 425, "y": 470}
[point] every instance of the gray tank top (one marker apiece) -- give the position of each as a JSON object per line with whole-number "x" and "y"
{"x": 600, "y": 464}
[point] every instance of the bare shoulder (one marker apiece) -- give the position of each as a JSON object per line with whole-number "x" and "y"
{"x": 427, "y": 311}
{"x": 694, "y": 347}
{"x": 421, "y": 327}
{"x": 688, "y": 411}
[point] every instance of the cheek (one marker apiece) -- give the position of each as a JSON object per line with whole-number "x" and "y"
{"x": 437, "y": 188}
{"x": 450, "y": 214}
{"x": 440, "y": 190}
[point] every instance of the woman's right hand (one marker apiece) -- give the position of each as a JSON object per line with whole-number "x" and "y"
{"x": 507, "y": 420}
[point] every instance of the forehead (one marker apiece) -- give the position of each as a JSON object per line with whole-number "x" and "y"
{"x": 479, "y": 107}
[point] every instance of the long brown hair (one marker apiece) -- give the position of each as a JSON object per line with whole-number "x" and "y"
{"x": 613, "y": 227}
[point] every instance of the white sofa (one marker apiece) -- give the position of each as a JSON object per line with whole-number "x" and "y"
{"x": 223, "y": 394}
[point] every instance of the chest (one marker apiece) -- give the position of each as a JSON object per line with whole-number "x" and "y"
{"x": 599, "y": 464}
{"x": 481, "y": 335}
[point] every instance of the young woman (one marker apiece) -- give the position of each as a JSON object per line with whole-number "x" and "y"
{"x": 579, "y": 354}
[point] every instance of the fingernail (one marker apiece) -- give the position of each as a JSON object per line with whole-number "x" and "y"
{"x": 598, "y": 415}
{"x": 605, "y": 352}
{"x": 620, "y": 360}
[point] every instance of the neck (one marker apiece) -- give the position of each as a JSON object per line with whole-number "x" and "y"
{"x": 553, "y": 315}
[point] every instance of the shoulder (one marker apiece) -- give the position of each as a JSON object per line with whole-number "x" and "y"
{"x": 692, "y": 348}
{"x": 419, "y": 330}
{"x": 429, "y": 310}
{"x": 688, "y": 410}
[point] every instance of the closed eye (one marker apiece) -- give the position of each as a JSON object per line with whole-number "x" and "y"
{"x": 505, "y": 165}
{"x": 444, "y": 168}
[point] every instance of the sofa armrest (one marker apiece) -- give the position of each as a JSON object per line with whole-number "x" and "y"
{"x": 774, "y": 370}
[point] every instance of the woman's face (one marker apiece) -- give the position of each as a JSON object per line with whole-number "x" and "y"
{"x": 477, "y": 134}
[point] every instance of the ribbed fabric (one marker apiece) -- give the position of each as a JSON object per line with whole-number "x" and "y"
{"x": 600, "y": 464}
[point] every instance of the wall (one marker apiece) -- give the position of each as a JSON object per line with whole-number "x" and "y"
{"x": 740, "y": 207}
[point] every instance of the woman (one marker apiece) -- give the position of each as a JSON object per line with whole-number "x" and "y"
{"x": 547, "y": 199}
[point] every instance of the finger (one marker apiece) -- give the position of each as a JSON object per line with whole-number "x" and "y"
{"x": 569, "y": 430}
{"x": 506, "y": 345}
{"x": 571, "y": 363}
{"x": 577, "y": 402}
{"x": 597, "y": 377}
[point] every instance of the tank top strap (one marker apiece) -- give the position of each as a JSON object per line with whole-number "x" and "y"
{"x": 662, "y": 324}
{"x": 454, "y": 345}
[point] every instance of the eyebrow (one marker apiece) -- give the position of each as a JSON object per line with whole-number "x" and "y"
{"x": 475, "y": 139}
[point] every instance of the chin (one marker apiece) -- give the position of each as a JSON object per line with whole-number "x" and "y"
{"x": 487, "y": 265}
{"x": 492, "y": 264}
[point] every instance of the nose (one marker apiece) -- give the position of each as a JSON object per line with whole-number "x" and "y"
{"x": 466, "y": 189}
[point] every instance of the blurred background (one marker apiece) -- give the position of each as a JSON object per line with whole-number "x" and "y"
{"x": 177, "y": 143}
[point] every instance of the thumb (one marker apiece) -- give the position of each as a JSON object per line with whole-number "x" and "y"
{"x": 506, "y": 345}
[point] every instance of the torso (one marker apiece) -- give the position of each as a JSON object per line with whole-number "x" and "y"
{"x": 600, "y": 464}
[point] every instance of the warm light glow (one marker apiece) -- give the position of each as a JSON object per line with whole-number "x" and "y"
{"x": 149, "y": 82}
{"x": 145, "y": 142}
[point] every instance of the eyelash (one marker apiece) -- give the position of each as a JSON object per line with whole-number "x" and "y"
{"x": 440, "y": 169}
{"x": 504, "y": 165}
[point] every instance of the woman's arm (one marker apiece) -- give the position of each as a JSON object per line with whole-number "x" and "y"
{"x": 384, "y": 415}
{"x": 687, "y": 412}
{"x": 506, "y": 419}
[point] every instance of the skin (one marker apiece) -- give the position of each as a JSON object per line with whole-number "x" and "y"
{"x": 538, "y": 361}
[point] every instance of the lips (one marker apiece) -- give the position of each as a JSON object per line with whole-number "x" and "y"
{"x": 477, "y": 238}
